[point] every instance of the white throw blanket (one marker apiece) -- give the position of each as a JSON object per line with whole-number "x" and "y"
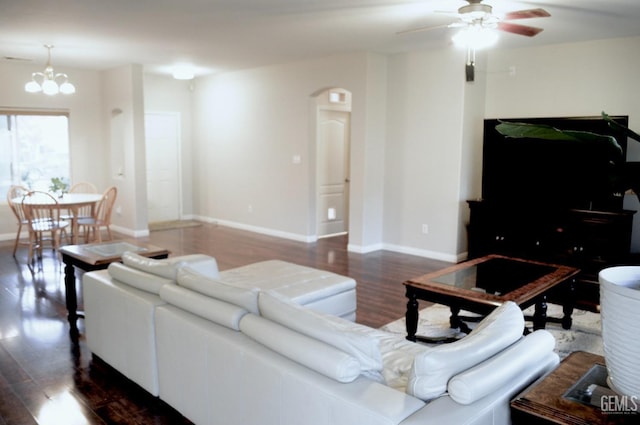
{"x": 584, "y": 335}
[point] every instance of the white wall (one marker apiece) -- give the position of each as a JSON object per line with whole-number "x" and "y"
{"x": 406, "y": 149}
{"x": 566, "y": 80}
{"x": 470, "y": 176}
{"x": 570, "y": 80}
{"x": 248, "y": 126}
{"x": 87, "y": 140}
{"x": 425, "y": 127}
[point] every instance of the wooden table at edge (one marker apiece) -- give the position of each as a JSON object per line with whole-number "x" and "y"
{"x": 78, "y": 256}
{"x": 544, "y": 403}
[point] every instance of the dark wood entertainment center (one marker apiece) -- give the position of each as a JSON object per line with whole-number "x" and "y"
{"x": 555, "y": 199}
{"x": 588, "y": 240}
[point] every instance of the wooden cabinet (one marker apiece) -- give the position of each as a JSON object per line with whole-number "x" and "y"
{"x": 589, "y": 240}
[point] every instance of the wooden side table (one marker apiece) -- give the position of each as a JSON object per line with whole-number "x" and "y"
{"x": 546, "y": 401}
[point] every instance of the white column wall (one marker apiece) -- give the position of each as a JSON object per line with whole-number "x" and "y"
{"x": 425, "y": 126}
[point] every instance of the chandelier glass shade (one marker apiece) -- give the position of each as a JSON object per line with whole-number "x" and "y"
{"x": 49, "y": 82}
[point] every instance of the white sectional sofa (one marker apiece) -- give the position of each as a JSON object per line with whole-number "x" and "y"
{"x": 272, "y": 352}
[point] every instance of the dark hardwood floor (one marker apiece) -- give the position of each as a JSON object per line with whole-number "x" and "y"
{"x": 45, "y": 379}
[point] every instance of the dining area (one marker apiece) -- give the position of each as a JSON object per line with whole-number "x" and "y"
{"x": 59, "y": 216}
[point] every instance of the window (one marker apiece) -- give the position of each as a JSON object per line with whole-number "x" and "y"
{"x": 35, "y": 148}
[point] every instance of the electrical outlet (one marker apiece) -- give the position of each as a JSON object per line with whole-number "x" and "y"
{"x": 425, "y": 228}
{"x": 250, "y": 208}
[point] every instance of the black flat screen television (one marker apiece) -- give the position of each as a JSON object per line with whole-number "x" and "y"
{"x": 545, "y": 174}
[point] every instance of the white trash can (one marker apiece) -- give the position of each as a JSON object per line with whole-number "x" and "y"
{"x": 620, "y": 310}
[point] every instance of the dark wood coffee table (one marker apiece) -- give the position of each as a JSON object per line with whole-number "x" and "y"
{"x": 482, "y": 284}
{"x": 92, "y": 257}
{"x": 564, "y": 396}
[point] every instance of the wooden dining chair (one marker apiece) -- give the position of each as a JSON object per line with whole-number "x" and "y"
{"x": 85, "y": 212}
{"x": 42, "y": 212}
{"x": 102, "y": 217}
{"x": 17, "y": 192}
{"x": 83, "y": 187}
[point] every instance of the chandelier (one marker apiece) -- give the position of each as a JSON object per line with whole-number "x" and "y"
{"x": 48, "y": 81}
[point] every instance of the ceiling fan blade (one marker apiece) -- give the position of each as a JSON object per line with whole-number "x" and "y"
{"x": 519, "y": 29}
{"x": 526, "y": 14}
{"x": 422, "y": 29}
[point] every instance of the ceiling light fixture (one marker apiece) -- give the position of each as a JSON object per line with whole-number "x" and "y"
{"x": 49, "y": 82}
{"x": 183, "y": 72}
{"x": 476, "y": 37}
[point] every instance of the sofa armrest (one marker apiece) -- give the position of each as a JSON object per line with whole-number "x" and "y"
{"x": 494, "y": 408}
{"x": 137, "y": 279}
{"x": 200, "y": 263}
{"x": 522, "y": 359}
{"x": 168, "y": 267}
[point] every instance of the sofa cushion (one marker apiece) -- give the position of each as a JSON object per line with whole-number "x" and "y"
{"x": 433, "y": 368}
{"x": 191, "y": 279}
{"x": 203, "y": 264}
{"x": 495, "y": 373}
{"x": 337, "y": 332}
{"x": 168, "y": 267}
{"x": 302, "y": 284}
{"x": 314, "y": 354}
{"x": 212, "y": 309}
{"x": 137, "y": 278}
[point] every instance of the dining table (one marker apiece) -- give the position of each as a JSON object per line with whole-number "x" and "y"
{"x": 72, "y": 202}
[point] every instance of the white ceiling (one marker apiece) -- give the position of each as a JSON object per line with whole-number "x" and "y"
{"x": 221, "y": 35}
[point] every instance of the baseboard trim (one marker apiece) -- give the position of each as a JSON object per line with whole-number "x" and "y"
{"x": 434, "y": 255}
{"x": 258, "y": 229}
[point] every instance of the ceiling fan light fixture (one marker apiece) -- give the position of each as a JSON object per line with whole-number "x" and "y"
{"x": 475, "y": 37}
{"x": 475, "y": 11}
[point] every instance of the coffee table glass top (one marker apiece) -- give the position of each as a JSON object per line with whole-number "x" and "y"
{"x": 115, "y": 249}
{"x": 496, "y": 276}
{"x": 108, "y": 252}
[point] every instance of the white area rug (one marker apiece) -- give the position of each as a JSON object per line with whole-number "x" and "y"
{"x": 584, "y": 335}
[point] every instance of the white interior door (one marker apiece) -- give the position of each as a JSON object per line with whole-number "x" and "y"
{"x": 333, "y": 172}
{"x": 163, "y": 166}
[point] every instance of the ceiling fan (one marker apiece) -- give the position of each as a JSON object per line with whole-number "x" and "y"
{"x": 480, "y": 15}
{"x": 477, "y": 23}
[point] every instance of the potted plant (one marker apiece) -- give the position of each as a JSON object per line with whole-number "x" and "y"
{"x": 58, "y": 186}
{"x": 631, "y": 175}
